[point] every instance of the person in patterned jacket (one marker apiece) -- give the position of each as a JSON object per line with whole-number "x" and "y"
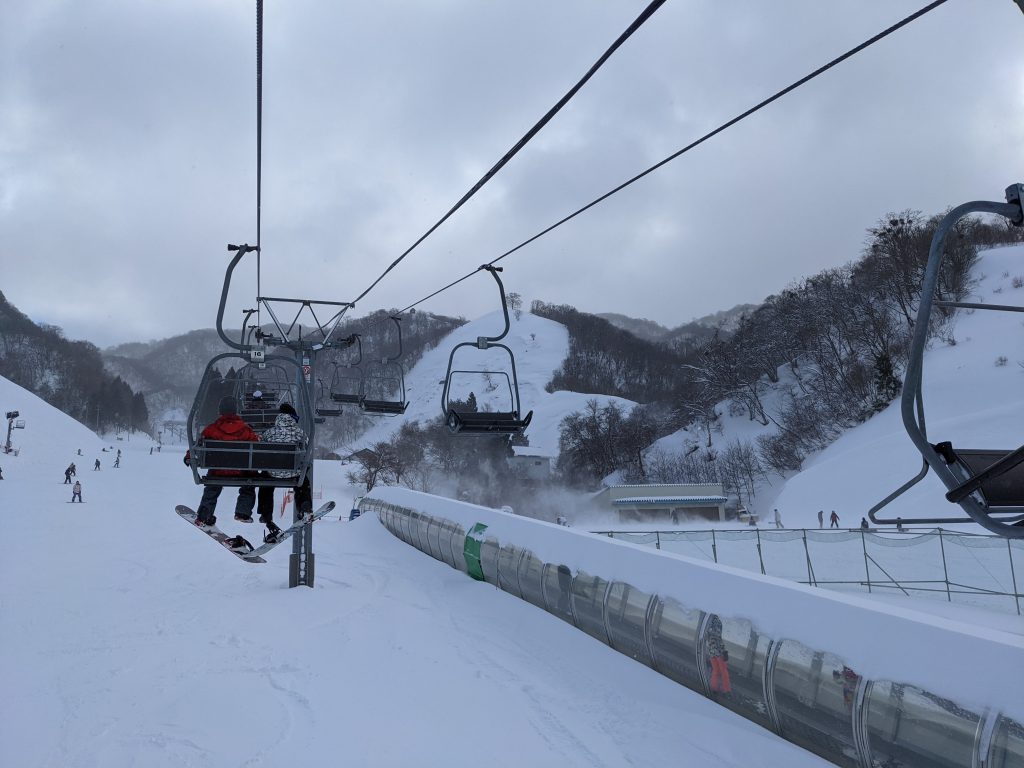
{"x": 286, "y": 429}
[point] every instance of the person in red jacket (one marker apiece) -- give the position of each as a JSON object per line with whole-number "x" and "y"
{"x": 228, "y": 426}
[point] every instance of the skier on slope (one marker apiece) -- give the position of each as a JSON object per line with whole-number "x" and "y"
{"x": 286, "y": 429}
{"x": 76, "y": 492}
{"x": 228, "y": 426}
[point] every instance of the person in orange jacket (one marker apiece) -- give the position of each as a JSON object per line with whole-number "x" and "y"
{"x": 719, "y": 657}
{"x": 228, "y": 426}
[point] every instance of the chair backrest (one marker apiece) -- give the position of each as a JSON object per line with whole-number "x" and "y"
{"x": 248, "y": 456}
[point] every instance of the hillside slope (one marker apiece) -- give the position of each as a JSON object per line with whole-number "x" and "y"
{"x": 971, "y": 397}
{"x": 130, "y": 640}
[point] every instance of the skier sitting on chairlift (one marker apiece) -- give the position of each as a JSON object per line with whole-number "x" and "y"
{"x": 286, "y": 429}
{"x": 230, "y": 426}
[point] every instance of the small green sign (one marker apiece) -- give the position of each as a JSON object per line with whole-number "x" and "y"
{"x": 471, "y": 551}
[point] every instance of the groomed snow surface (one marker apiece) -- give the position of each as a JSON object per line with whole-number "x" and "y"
{"x": 129, "y": 639}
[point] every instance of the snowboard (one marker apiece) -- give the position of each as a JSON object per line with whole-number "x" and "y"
{"x": 255, "y": 556}
{"x": 215, "y": 533}
{"x": 287, "y": 533}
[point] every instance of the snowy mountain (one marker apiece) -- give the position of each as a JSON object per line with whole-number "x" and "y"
{"x": 697, "y": 329}
{"x": 50, "y": 438}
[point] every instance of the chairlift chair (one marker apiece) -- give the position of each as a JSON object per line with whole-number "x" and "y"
{"x": 461, "y": 420}
{"x": 384, "y": 384}
{"x": 347, "y": 382}
{"x": 249, "y": 459}
{"x": 987, "y": 484}
{"x": 325, "y": 407}
{"x": 260, "y": 394}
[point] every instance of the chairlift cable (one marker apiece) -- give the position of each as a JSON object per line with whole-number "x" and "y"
{"x": 757, "y": 107}
{"x": 643, "y": 17}
{"x": 259, "y": 149}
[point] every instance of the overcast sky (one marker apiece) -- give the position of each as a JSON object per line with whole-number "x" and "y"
{"x": 128, "y": 133}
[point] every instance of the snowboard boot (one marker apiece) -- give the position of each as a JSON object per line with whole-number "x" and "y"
{"x": 273, "y": 532}
{"x": 243, "y": 518}
{"x": 238, "y": 544}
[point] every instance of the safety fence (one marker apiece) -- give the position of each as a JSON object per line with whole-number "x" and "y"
{"x": 810, "y": 697}
{"x": 979, "y": 570}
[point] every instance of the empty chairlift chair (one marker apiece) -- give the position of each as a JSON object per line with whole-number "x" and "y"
{"x": 988, "y": 484}
{"x": 243, "y": 462}
{"x": 461, "y": 419}
{"x": 347, "y": 382}
{"x": 384, "y": 383}
{"x": 325, "y": 406}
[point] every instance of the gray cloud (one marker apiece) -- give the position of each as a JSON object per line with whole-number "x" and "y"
{"x": 127, "y": 149}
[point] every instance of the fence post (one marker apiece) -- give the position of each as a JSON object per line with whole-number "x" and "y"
{"x": 759, "y": 556}
{"x": 657, "y": 539}
{"x": 945, "y": 571}
{"x": 1013, "y": 576}
{"x": 807, "y": 555}
{"x": 867, "y": 570}
{"x": 714, "y": 550}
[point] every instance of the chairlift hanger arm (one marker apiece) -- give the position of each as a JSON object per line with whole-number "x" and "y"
{"x": 240, "y": 251}
{"x": 912, "y": 384}
{"x": 398, "y": 325}
{"x": 484, "y": 341}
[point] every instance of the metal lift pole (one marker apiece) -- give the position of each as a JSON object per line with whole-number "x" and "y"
{"x": 302, "y": 561}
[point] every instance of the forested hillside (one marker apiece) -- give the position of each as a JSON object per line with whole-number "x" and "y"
{"x": 67, "y": 374}
{"x": 814, "y": 360}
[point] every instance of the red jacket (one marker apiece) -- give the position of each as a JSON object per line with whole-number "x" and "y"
{"x": 227, "y": 427}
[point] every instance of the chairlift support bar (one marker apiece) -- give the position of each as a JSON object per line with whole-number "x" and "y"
{"x": 912, "y": 403}
{"x": 971, "y": 305}
{"x": 326, "y": 329}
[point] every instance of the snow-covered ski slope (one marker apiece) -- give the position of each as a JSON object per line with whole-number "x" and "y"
{"x": 539, "y": 345}
{"x": 969, "y": 399}
{"x": 128, "y": 639}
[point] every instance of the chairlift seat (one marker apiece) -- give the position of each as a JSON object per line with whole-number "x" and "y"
{"x": 487, "y": 422}
{"x": 250, "y": 457}
{"x": 351, "y": 399}
{"x": 386, "y": 407}
{"x": 1003, "y": 487}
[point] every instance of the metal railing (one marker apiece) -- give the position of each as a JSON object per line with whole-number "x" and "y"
{"x": 810, "y": 697}
{"x": 981, "y": 570}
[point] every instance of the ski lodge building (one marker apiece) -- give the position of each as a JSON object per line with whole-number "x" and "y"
{"x": 669, "y": 503}
{"x": 529, "y": 465}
